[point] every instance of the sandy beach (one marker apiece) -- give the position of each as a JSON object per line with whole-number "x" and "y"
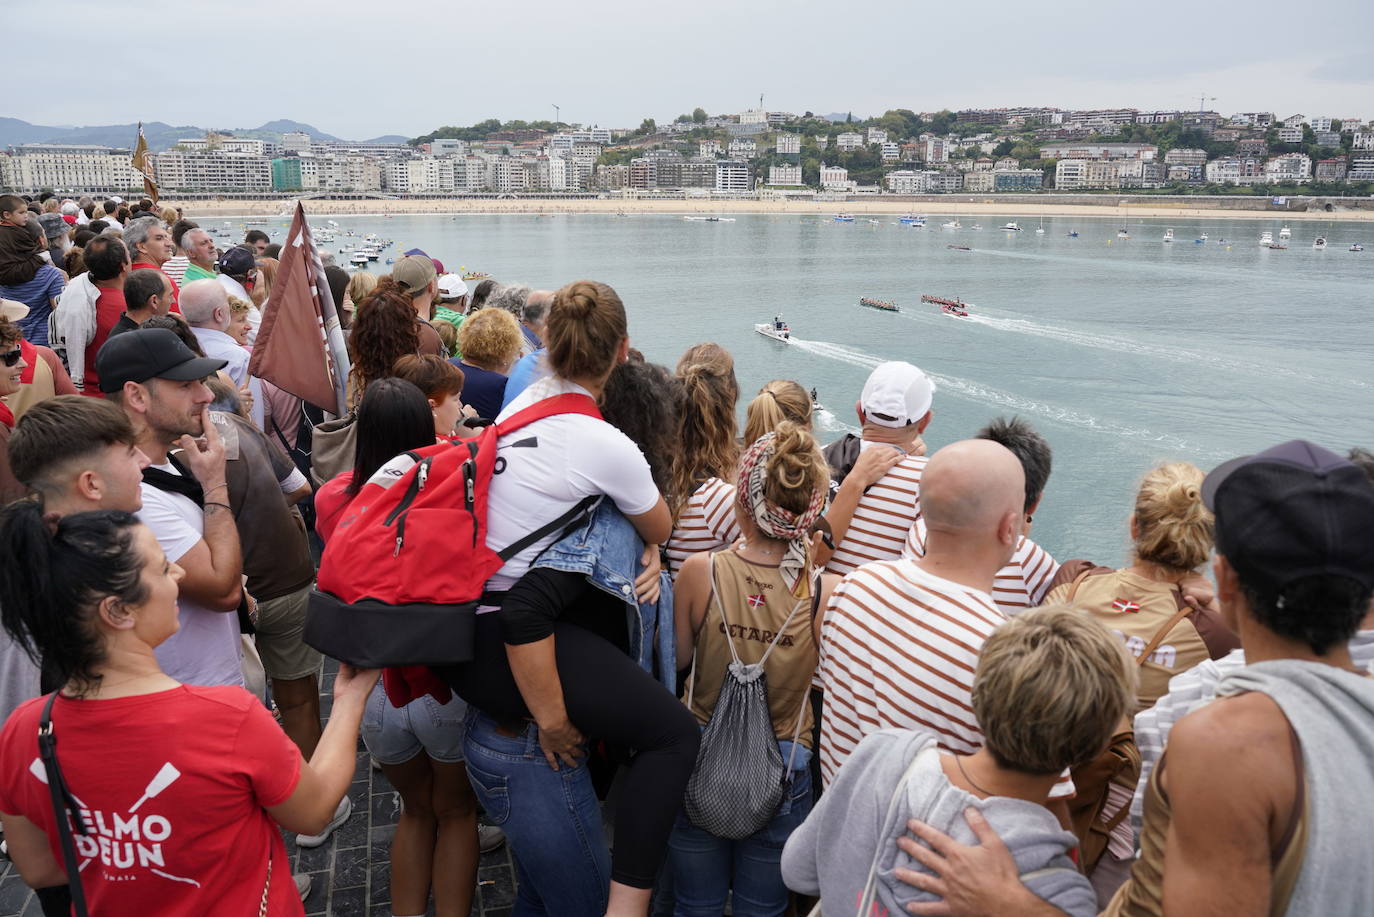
{"x": 953, "y": 205}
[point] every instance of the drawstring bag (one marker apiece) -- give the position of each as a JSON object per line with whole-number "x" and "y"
{"x": 740, "y": 778}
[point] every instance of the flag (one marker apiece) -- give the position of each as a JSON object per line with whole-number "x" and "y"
{"x": 1124, "y": 606}
{"x": 143, "y": 163}
{"x": 300, "y": 345}
{"x": 756, "y": 600}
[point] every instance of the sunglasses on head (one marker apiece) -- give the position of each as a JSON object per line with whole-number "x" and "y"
{"x": 11, "y": 357}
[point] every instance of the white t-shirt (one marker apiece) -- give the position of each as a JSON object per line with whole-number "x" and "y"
{"x": 544, "y": 469}
{"x": 205, "y": 648}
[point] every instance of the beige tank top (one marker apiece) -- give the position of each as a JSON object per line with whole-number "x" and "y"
{"x": 756, "y": 603}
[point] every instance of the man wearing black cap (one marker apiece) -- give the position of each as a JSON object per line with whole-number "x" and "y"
{"x": 1262, "y": 801}
{"x": 237, "y": 270}
{"x": 156, "y": 380}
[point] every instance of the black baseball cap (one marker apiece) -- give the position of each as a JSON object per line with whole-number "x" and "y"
{"x": 150, "y": 353}
{"x": 237, "y": 262}
{"x": 1293, "y": 511}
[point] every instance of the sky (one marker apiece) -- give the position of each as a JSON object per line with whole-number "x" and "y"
{"x": 361, "y": 68}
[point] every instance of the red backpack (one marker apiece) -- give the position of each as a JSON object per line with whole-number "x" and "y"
{"x": 402, "y": 576}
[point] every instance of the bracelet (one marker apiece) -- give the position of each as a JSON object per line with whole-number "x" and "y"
{"x": 217, "y": 487}
{"x": 213, "y": 503}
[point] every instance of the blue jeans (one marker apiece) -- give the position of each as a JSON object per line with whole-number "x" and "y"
{"x": 552, "y": 819}
{"x": 706, "y": 867}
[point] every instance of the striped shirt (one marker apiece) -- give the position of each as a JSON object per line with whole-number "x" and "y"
{"x": 1020, "y": 585}
{"x": 886, "y": 512}
{"x": 899, "y": 647}
{"x": 38, "y": 293}
{"x": 175, "y": 268}
{"x": 706, "y": 523}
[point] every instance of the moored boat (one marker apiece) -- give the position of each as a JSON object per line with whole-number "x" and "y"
{"x": 1285, "y": 234}
{"x": 959, "y": 248}
{"x": 911, "y": 219}
{"x": 844, "y": 218}
{"x": 359, "y": 259}
{"x": 1320, "y": 242}
{"x": 1355, "y": 247}
{"x": 952, "y": 224}
{"x": 1266, "y": 238}
{"x": 1168, "y": 235}
{"x": 1011, "y": 227}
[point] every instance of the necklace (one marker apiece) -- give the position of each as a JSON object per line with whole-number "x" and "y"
{"x": 746, "y": 546}
{"x": 959, "y": 763}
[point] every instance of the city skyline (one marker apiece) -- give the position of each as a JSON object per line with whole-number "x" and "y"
{"x": 611, "y": 63}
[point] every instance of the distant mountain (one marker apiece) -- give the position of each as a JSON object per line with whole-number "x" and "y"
{"x": 160, "y": 135}
{"x": 284, "y": 126}
{"x": 837, "y": 116}
{"x": 387, "y": 138}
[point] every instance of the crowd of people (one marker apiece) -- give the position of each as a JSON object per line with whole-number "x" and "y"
{"x": 791, "y": 674}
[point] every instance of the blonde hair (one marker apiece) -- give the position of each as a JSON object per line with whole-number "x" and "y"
{"x": 448, "y": 336}
{"x": 168, "y": 215}
{"x": 796, "y": 469}
{"x": 359, "y": 285}
{"x": 238, "y": 306}
{"x": 267, "y": 275}
{"x": 490, "y": 339}
{"x": 1174, "y": 529}
{"x": 1051, "y": 686}
{"x": 706, "y": 424}
{"x": 585, "y": 327}
{"x": 779, "y": 400}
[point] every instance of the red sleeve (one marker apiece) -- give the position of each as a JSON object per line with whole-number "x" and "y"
{"x": 62, "y": 383}
{"x": 18, "y": 747}
{"x": 271, "y": 760}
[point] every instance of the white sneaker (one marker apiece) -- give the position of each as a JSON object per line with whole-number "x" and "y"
{"x": 489, "y": 838}
{"x": 303, "y": 883}
{"x": 341, "y": 814}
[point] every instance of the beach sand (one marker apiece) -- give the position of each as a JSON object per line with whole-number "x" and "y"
{"x": 954, "y": 205}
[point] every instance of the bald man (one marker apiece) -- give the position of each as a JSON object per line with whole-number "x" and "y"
{"x": 205, "y": 306}
{"x": 900, "y": 639}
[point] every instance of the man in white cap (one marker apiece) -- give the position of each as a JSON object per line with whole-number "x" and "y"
{"x": 894, "y": 410}
{"x": 451, "y": 303}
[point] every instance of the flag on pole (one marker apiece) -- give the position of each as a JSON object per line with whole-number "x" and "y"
{"x": 143, "y": 163}
{"x": 300, "y": 345}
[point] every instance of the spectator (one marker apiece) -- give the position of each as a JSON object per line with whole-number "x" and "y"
{"x": 12, "y": 356}
{"x": 177, "y": 266}
{"x": 480, "y": 294}
{"x": 90, "y": 307}
{"x": 237, "y": 271}
{"x": 40, "y": 292}
{"x": 1023, "y": 582}
{"x": 384, "y": 330}
{"x": 531, "y": 317}
{"x": 451, "y": 303}
{"x": 20, "y": 252}
{"x": 489, "y": 341}
{"x": 273, "y": 251}
{"x": 779, "y": 400}
{"x": 45, "y": 377}
{"x": 359, "y": 285}
{"x": 414, "y": 275}
{"x": 205, "y": 306}
{"x": 150, "y": 246}
{"x": 199, "y": 246}
{"x": 58, "y": 235}
{"x": 256, "y": 241}
{"x": 1073, "y": 674}
{"x": 147, "y": 293}
{"x": 702, "y": 479}
{"x": 441, "y": 382}
{"x": 267, "y": 275}
{"x": 765, "y": 593}
{"x": 238, "y": 320}
{"x": 95, "y": 598}
{"x": 156, "y": 380}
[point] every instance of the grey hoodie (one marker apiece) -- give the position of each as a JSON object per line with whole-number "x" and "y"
{"x": 1332, "y": 712}
{"x": 831, "y": 853}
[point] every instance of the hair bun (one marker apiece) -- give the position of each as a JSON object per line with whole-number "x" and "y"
{"x": 578, "y": 300}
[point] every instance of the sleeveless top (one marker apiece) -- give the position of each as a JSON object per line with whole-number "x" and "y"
{"x": 756, "y": 602}
{"x": 1143, "y": 895}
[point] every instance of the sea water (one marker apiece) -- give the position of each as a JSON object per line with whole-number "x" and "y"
{"x": 1123, "y": 353}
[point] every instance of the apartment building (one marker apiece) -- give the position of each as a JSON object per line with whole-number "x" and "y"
{"x": 68, "y": 167}
{"x": 733, "y": 175}
{"x": 217, "y": 170}
{"x": 789, "y": 144}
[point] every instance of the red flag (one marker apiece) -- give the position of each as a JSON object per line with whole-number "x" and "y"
{"x": 300, "y": 346}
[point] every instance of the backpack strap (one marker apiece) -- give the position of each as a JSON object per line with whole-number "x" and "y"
{"x": 1163, "y": 632}
{"x": 567, "y": 518}
{"x": 568, "y": 403}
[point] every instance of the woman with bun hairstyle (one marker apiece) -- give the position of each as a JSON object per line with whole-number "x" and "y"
{"x": 183, "y": 790}
{"x": 553, "y": 661}
{"x": 755, "y": 602}
{"x": 702, "y": 480}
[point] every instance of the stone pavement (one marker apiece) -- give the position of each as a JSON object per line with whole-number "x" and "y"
{"x": 351, "y": 871}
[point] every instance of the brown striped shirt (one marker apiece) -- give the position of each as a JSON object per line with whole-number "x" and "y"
{"x": 1018, "y": 586}
{"x": 885, "y": 514}
{"x": 706, "y": 523}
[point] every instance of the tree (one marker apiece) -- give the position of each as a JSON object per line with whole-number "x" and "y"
{"x": 647, "y": 126}
{"x": 1003, "y": 149}
{"x": 699, "y": 115}
{"x": 683, "y": 119}
{"x": 942, "y": 121}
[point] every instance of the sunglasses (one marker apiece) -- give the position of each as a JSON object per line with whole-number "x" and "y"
{"x": 12, "y": 357}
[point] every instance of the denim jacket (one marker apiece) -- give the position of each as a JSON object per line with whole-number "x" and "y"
{"x": 606, "y": 549}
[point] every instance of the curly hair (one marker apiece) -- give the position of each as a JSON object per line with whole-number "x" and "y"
{"x": 490, "y": 339}
{"x": 384, "y": 330}
{"x": 706, "y": 424}
{"x": 642, "y": 401}
{"x": 10, "y": 333}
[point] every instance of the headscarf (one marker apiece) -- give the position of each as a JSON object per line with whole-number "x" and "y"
{"x": 773, "y": 520}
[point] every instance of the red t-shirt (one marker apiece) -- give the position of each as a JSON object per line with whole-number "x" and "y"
{"x": 109, "y": 306}
{"x": 176, "y": 288}
{"x": 330, "y": 503}
{"x": 174, "y": 785}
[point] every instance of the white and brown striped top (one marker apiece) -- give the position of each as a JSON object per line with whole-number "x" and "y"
{"x": 886, "y": 512}
{"x": 1017, "y": 587}
{"x": 706, "y": 523}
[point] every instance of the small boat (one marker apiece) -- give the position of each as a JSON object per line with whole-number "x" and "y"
{"x": 1278, "y": 246}
{"x": 1168, "y": 235}
{"x": 1073, "y": 234}
{"x": 1355, "y": 247}
{"x": 1040, "y": 230}
{"x": 359, "y": 259}
{"x": 956, "y": 311}
{"x": 1011, "y": 227}
{"x": 952, "y": 224}
{"x": 1285, "y": 234}
{"x": 959, "y": 248}
{"x": 815, "y": 401}
{"x": 475, "y": 275}
{"x": 1320, "y": 243}
{"x": 1202, "y": 238}
{"x": 911, "y": 220}
{"x": 1266, "y": 238}
{"x": 882, "y": 304}
{"x": 942, "y": 302}
{"x": 1123, "y": 234}
{"x": 876, "y": 222}
{"x": 776, "y": 329}
{"x": 843, "y": 218}
{"x": 976, "y": 228}
{"x": 391, "y": 261}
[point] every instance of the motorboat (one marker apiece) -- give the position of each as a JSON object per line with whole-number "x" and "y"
{"x": 1202, "y": 238}
{"x": 776, "y": 329}
{"x": 1355, "y": 247}
{"x": 876, "y": 222}
{"x": 1168, "y": 235}
{"x": 956, "y": 306}
{"x": 911, "y": 220}
{"x": 959, "y": 248}
{"x": 1320, "y": 243}
{"x": 1040, "y": 230}
{"x": 952, "y": 224}
{"x": 1278, "y": 246}
{"x": 359, "y": 259}
{"x": 975, "y": 228}
{"x": 956, "y": 311}
{"x": 1285, "y": 234}
{"x": 844, "y": 218}
{"x": 1073, "y": 234}
{"x": 1011, "y": 227}
{"x": 881, "y": 304}
{"x": 1123, "y": 234}
{"x": 1266, "y": 239}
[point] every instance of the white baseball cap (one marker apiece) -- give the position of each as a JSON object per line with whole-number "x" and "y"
{"x": 451, "y": 286}
{"x": 896, "y": 394}
{"x": 13, "y": 309}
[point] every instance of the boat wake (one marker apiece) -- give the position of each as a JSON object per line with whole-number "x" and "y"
{"x": 825, "y": 420}
{"x": 986, "y": 395}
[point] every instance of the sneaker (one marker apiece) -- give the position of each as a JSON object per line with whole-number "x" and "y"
{"x": 489, "y": 838}
{"x": 303, "y": 883}
{"x": 341, "y": 814}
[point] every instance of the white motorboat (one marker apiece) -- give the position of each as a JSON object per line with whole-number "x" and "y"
{"x": 359, "y": 259}
{"x": 952, "y": 224}
{"x": 1320, "y": 243}
{"x": 776, "y": 329}
{"x": 844, "y": 218}
{"x": 1285, "y": 234}
{"x": 1355, "y": 247}
{"x": 1266, "y": 238}
{"x": 1123, "y": 234}
{"x": 1011, "y": 227}
{"x": 1168, "y": 235}
{"x": 911, "y": 219}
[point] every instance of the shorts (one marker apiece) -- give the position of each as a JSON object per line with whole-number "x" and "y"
{"x": 280, "y": 628}
{"x": 394, "y": 735}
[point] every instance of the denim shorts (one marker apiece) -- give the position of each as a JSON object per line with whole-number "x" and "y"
{"x": 394, "y": 735}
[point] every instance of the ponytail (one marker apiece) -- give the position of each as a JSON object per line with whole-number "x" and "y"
{"x": 778, "y": 401}
{"x": 706, "y": 444}
{"x": 54, "y": 574}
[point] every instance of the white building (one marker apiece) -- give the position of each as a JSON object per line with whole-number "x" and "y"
{"x": 1182, "y": 156}
{"x": 892, "y": 151}
{"x": 1289, "y": 169}
{"x": 1320, "y": 124}
{"x": 743, "y": 148}
{"x": 785, "y": 175}
{"x": 709, "y": 148}
{"x": 979, "y": 182}
{"x": 789, "y": 143}
{"x": 561, "y": 143}
{"x": 753, "y": 116}
{"x": 430, "y": 175}
{"x": 876, "y": 135}
{"x": 908, "y": 181}
{"x": 1290, "y": 134}
{"x": 183, "y": 170}
{"x": 1362, "y": 140}
{"x": 822, "y": 141}
{"x": 225, "y": 144}
{"x": 936, "y": 150}
{"x": 835, "y": 178}
{"x": 1294, "y": 121}
{"x": 1361, "y": 169}
{"x": 295, "y": 142}
{"x": 396, "y": 176}
{"x": 732, "y": 175}
{"x": 1075, "y": 174}
{"x": 850, "y": 140}
{"x": 70, "y": 168}
{"x": 1238, "y": 170}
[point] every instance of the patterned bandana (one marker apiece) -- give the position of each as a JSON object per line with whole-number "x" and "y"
{"x": 776, "y": 522}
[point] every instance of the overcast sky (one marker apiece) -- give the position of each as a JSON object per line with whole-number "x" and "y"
{"x": 363, "y": 68}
